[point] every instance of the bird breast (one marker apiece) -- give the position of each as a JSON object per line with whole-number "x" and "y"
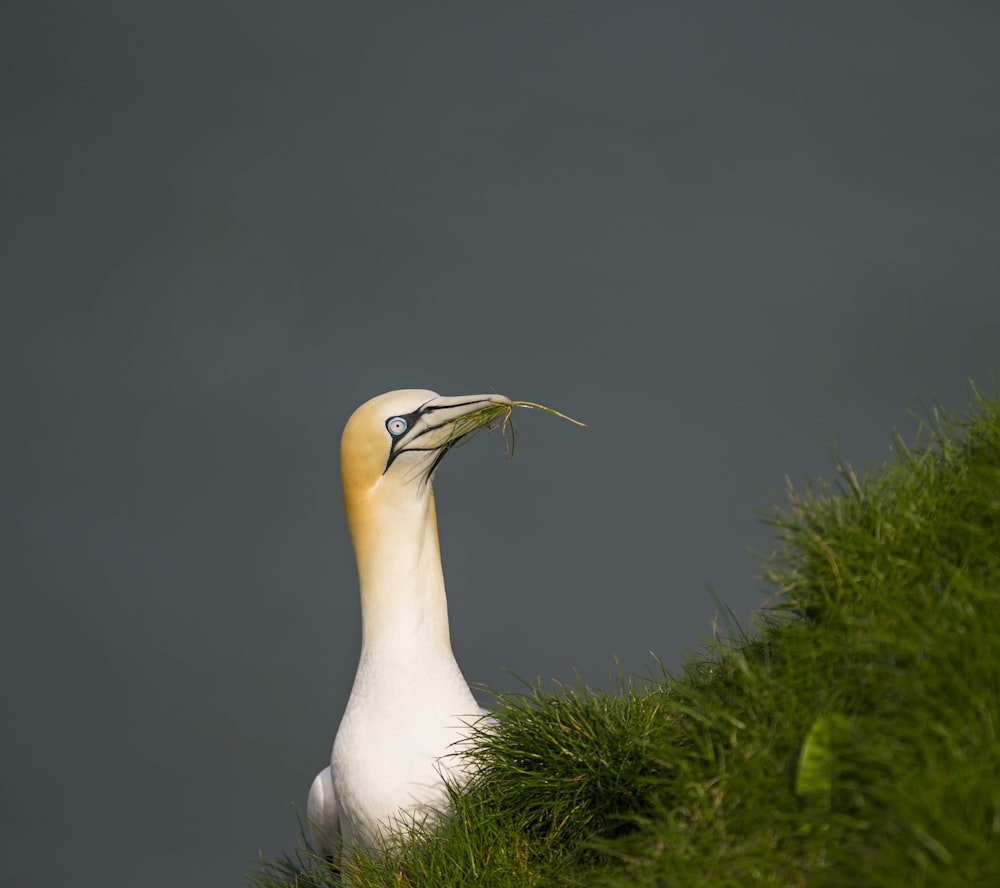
{"x": 393, "y": 746}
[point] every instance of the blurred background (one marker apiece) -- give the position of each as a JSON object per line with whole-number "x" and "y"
{"x": 735, "y": 239}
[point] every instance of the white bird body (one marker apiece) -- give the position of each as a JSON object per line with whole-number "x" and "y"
{"x": 410, "y": 708}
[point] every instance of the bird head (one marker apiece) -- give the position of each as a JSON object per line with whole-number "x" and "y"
{"x": 402, "y": 436}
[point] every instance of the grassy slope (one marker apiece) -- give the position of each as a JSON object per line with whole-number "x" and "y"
{"x": 854, "y": 739}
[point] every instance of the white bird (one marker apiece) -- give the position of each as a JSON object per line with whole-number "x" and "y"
{"x": 410, "y": 707}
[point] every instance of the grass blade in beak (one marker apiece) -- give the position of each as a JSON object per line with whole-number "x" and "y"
{"x": 498, "y": 415}
{"x": 531, "y": 405}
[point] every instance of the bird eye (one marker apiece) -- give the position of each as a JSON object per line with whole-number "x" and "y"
{"x": 396, "y": 426}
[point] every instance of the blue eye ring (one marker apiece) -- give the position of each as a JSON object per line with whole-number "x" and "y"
{"x": 396, "y": 426}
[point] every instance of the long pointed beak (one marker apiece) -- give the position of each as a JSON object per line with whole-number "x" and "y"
{"x": 442, "y": 422}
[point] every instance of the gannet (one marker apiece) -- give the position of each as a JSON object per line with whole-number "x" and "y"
{"x": 410, "y": 708}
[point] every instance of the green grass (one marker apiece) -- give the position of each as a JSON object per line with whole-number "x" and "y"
{"x": 852, "y": 739}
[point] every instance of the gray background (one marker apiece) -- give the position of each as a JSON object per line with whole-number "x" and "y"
{"x": 734, "y": 238}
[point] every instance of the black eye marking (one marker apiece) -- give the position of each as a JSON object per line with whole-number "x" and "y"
{"x": 400, "y": 428}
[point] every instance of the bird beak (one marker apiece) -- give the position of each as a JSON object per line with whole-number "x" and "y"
{"x": 439, "y": 424}
{"x": 443, "y": 422}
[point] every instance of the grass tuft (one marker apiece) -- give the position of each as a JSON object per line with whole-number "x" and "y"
{"x": 853, "y": 738}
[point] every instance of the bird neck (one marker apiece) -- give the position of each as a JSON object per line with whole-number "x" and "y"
{"x": 403, "y": 602}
